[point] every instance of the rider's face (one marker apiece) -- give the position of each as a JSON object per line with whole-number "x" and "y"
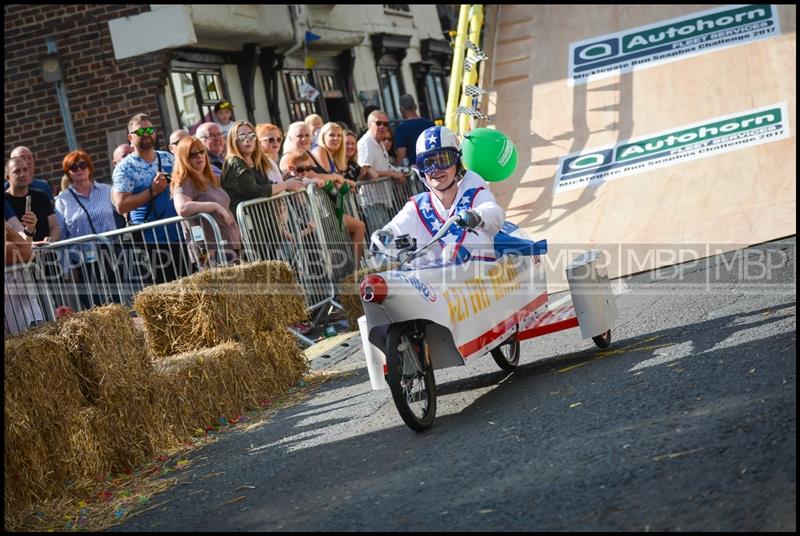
{"x": 442, "y": 178}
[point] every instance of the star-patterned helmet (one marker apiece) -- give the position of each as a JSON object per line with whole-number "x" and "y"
{"x": 437, "y": 147}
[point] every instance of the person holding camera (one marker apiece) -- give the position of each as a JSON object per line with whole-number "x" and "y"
{"x": 141, "y": 189}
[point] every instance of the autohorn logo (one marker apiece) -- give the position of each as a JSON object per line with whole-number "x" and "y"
{"x": 670, "y": 40}
{"x": 677, "y": 146}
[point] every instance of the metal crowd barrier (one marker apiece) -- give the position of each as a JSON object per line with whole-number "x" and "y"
{"x": 79, "y": 272}
{"x": 25, "y": 304}
{"x": 194, "y": 243}
{"x": 337, "y": 239}
{"x": 284, "y": 227}
{"x": 108, "y": 268}
{"x": 381, "y": 199}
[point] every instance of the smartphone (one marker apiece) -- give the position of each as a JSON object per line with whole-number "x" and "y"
{"x": 27, "y": 203}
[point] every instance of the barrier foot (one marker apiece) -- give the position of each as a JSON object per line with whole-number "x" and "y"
{"x": 301, "y": 337}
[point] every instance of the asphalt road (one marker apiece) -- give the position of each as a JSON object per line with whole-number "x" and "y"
{"x": 687, "y": 423}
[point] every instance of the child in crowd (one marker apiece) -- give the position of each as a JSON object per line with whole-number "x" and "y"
{"x": 300, "y": 164}
{"x": 223, "y": 116}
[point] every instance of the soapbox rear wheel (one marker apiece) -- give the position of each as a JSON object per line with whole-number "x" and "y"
{"x": 410, "y": 376}
{"x": 603, "y": 340}
{"x": 507, "y": 354}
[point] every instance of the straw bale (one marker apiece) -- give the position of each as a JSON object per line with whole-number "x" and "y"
{"x": 196, "y": 388}
{"x": 106, "y": 349}
{"x": 279, "y": 354}
{"x": 218, "y": 305}
{"x": 116, "y": 376}
{"x": 46, "y": 433}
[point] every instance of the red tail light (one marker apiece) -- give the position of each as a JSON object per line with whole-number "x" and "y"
{"x": 373, "y": 289}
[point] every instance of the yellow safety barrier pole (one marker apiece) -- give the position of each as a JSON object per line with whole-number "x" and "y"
{"x": 456, "y": 73}
{"x": 471, "y": 76}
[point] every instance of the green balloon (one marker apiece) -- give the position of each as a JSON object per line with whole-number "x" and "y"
{"x": 489, "y": 153}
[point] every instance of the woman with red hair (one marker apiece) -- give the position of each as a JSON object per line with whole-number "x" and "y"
{"x": 82, "y": 208}
{"x": 196, "y": 189}
{"x": 84, "y": 205}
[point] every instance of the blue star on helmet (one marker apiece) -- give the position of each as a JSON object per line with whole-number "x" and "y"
{"x": 431, "y": 140}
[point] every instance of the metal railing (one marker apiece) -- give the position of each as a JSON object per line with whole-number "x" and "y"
{"x": 335, "y": 233}
{"x": 145, "y": 260}
{"x": 300, "y": 228}
{"x": 108, "y": 268}
{"x": 25, "y": 304}
{"x": 284, "y": 227}
{"x": 381, "y": 199}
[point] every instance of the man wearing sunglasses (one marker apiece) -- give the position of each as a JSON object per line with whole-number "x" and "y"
{"x": 371, "y": 151}
{"x": 372, "y": 155}
{"x": 453, "y": 190}
{"x": 141, "y": 188}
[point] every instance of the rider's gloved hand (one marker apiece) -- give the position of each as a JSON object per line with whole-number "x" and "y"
{"x": 469, "y": 219}
{"x": 384, "y": 236}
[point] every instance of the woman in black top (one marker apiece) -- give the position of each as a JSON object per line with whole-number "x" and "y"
{"x": 244, "y": 175}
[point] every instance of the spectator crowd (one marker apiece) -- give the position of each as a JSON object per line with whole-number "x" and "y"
{"x": 212, "y": 169}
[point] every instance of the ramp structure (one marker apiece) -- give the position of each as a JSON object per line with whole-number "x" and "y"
{"x": 661, "y": 133}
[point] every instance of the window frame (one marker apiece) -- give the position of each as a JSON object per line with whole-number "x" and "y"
{"x": 392, "y": 108}
{"x": 204, "y": 105}
{"x": 398, "y": 9}
{"x": 293, "y": 97}
{"x": 440, "y": 96}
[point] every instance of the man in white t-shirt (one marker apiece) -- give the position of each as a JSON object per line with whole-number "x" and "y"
{"x": 371, "y": 151}
{"x": 376, "y": 199}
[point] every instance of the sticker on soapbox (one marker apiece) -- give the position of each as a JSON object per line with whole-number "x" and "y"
{"x": 423, "y": 288}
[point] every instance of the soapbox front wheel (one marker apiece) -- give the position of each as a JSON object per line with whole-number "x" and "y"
{"x": 603, "y": 340}
{"x": 410, "y": 376}
{"x": 507, "y": 354}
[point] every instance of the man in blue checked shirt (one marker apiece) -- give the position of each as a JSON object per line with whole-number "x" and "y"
{"x": 141, "y": 188}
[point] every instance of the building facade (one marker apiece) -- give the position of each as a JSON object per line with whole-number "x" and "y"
{"x": 76, "y": 73}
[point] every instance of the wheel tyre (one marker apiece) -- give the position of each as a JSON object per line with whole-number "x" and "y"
{"x": 603, "y": 340}
{"x": 507, "y": 355}
{"x": 394, "y": 362}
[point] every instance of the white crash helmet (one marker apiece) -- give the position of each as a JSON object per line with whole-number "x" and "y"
{"x": 437, "y": 138}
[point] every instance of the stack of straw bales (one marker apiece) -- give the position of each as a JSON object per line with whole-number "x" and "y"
{"x": 220, "y": 341}
{"x": 83, "y": 397}
{"x": 78, "y": 403}
{"x": 219, "y": 305}
{"x": 116, "y": 377}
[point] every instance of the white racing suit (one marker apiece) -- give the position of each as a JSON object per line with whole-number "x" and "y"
{"x": 423, "y": 215}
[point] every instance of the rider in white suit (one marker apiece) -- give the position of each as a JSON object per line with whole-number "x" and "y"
{"x": 453, "y": 190}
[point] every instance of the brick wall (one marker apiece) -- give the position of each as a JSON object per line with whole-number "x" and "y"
{"x": 103, "y": 93}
